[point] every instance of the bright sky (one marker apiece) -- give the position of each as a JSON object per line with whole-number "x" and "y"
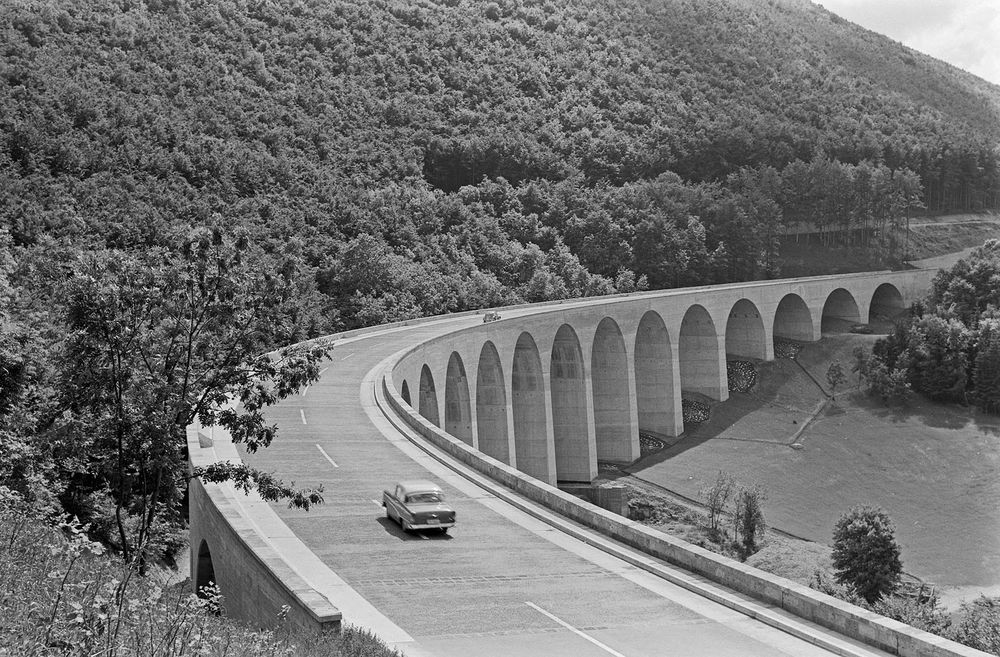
{"x": 965, "y": 33}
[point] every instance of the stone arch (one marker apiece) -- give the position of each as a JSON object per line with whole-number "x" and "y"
{"x": 491, "y": 405}
{"x": 886, "y": 305}
{"x": 745, "y": 331}
{"x": 528, "y": 406}
{"x": 654, "y": 376}
{"x": 793, "y": 320}
{"x": 701, "y": 368}
{"x": 609, "y": 373}
{"x": 457, "y": 408}
{"x": 840, "y": 312}
{"x": 428, "y": 402}
{"x": 567, "y": 383}
{"x": 205, "y": 570}
{"x": 405, "y": 393}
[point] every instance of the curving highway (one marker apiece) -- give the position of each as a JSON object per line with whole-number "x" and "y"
{"x": 504, "y": 582}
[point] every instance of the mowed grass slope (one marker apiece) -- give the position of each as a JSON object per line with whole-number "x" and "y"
{"x": 934, "y": 468}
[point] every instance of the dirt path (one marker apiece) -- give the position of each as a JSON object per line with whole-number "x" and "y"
{"x": 943, "y": 261}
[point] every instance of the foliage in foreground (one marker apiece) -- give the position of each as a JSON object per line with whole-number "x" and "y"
{"x": 64, "y": 597}
{"x": 141, "y": 345}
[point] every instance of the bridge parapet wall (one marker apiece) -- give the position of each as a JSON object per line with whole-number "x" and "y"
{"x": 233, "y": 539}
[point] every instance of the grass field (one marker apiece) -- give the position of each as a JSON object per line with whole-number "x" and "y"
{"x": 934, "y": 468}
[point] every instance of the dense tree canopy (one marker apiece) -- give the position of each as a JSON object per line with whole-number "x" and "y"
{"x": 948, "y": 347}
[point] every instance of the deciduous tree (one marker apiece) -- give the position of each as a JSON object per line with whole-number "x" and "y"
{"x": 154, "y": 342}
{"x": 865, "y": 552}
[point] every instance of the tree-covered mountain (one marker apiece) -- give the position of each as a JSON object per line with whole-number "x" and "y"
{"x": 189, "y": 183}
{"x": 507, "y": 151}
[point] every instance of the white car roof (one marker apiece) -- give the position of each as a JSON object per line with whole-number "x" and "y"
{"x": 422, "y": 485}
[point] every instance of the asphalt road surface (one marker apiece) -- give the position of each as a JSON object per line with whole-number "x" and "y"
{"x": 501, "y": 582}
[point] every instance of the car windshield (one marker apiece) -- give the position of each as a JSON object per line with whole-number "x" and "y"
{"x": 424, "y": 498}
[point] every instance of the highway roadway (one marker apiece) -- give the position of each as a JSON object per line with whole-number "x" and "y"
{"x": 502, "y": 582}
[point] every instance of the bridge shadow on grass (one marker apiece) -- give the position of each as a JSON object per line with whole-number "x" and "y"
{"x": 938, "y": 415}
{"x": 772, "y": 412}
{"x": 392, "y": 528}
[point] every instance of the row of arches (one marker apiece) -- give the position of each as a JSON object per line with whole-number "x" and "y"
{"x": 584, "y": 407}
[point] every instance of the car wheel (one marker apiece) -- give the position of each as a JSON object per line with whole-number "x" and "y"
{"x": 405, "y": 525}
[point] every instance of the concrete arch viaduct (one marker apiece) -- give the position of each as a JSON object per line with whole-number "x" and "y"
{"x": 557, "y": 392}
{"x": 511, "y": 408}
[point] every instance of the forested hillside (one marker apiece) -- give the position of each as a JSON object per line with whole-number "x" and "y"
{"x": 247, "y": 173}
{"x": 503, "y": 151}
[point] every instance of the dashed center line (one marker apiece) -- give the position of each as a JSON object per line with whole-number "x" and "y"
{"x": 323, "y": 370}
{"x": 302, "y": 414}
{"x": 327, "y": 456}
{"x": 305, "y": 391}
{"x": 604, "y": 647}
{"x": 347, "y": 356}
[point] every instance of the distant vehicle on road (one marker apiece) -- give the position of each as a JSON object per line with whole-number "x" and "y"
{"x": 418, "y": 504}
{"x": 490, "y": 316}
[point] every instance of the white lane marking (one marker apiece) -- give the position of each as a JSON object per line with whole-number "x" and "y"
{"x": 323, "y": 370}
{"x": 327, "y": 456}
{"x": 376, "y": 502}
{"x": 305, "y": 391}
{"x": 348, "y": 356}
{"x": 302, "y": 413}
{"x": 572, "y": 629}
{"x": 424, "y": 536}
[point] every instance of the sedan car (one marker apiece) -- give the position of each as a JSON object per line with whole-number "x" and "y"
{"x": 418, "y": 504}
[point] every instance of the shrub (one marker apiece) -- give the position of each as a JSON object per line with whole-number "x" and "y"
{"x": 63, "y": 596}
{"x": 865, "y": 552}
{"x": 923, "y": 613}
{"x": 890, "y": 384}
{"x": 980, "y": 625}
{"x": 748, "y": 517}
{"x": 836, "y": 377}
{"x": 717, "y": 497}
{"x": 937, "y": 357}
